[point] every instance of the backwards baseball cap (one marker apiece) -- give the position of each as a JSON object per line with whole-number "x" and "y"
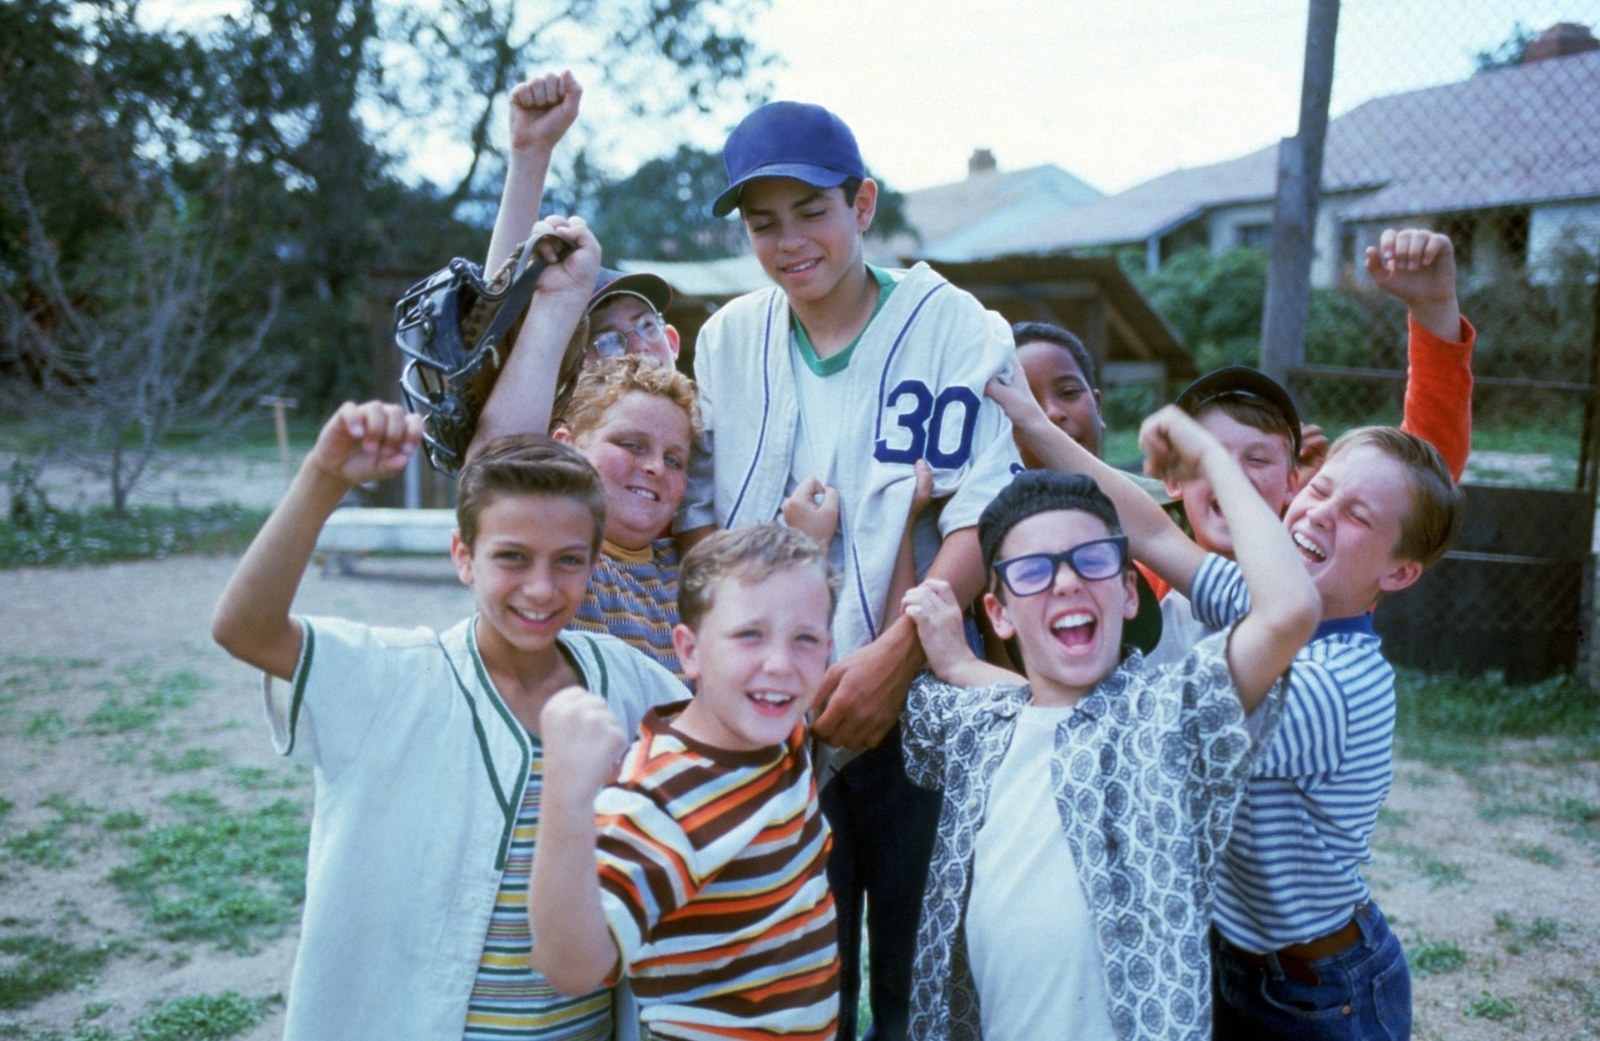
{"x": 1240, "y": 382}
{"x": 1041, "y": 491}
{"x": 652, "y": 289}
{"x": 788, "y": 139}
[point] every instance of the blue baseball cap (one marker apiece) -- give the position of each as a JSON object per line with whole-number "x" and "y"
{"x": 788, "y": 139}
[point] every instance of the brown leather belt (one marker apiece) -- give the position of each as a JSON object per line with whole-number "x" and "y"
{"x": 1294, "y": 960}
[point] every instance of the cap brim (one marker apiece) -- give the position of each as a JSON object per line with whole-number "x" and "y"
{"x": 652, "y": 289}
{"x": 1242, "y": 381}
{"x": 816, "y": 176}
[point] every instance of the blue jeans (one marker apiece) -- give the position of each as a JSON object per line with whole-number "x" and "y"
{"x": 883, "y": 832}
{"x": 1363, "y": 992}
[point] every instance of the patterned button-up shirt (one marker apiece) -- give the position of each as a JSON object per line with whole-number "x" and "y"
{"x": 1147, "y": 774}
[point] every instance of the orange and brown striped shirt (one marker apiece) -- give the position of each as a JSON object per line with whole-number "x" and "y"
{"x": 712, "y": 875}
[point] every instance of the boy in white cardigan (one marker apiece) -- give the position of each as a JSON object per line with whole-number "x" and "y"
{"x": 849, "y": 374}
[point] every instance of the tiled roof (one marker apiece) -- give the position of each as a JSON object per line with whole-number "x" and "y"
{"x": 1525, "y": 134}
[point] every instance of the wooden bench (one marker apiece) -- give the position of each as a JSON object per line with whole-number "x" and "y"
{"x": 353, "y": 531}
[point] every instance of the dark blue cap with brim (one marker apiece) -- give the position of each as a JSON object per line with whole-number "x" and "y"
{"x": 788, "y": 139}
{"x": 652, "y": 289}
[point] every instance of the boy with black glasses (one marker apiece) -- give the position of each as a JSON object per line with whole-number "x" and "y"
{"x": 1095, "y": 927}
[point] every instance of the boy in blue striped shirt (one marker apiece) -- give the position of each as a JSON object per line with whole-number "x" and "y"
{"x": 1300, "y": 949}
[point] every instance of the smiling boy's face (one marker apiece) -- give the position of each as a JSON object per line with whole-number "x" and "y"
{"x": 1346, "y": 524}
{"x": 807, "y": 239}
{"x": 1266, "y": 460}
{"x": 1070, "y": 634}
{"x": 528, "y": 568}
{"x": 758, "y": 656}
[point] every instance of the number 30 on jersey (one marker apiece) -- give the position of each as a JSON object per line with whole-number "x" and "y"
{"x": 917, "y": 424}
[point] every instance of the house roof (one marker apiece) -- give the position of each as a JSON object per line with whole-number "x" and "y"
{"x": 978, "y": 215}
{"x": 1510, "y": 137}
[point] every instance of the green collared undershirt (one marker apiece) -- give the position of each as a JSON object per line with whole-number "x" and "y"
{"x": 829, "y": 366}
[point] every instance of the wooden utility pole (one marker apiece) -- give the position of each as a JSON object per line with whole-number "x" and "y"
{"x": 1294, "y": 213}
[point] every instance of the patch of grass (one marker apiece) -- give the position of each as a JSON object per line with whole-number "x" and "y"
{"x": 225, "y": 878}
{"x": 36, "y": 965}
{"x": 1388, "y": 818}
{"x": 1541, "y": 932}
{"x": 1433, "y": 957}
{"x": 202, "y": 1018}
{"x": 1452, "y": 721}
{"x": 1539, "y": 854}
{"x": 191, "y": 760}
{"x": 1582, "y": 819}
{"x": 48, "y": 726}
{"x": 27, "y": 674}
{"x": 1494, "y": 812}
{"x": 1487, "y": 1006}
{"x": 50, "y": 845}
{"x": 1423, "y": 861}
{"x": 95, "y": 536}
{"x": 152, "y": 697}
{"x": 123, "y": 820}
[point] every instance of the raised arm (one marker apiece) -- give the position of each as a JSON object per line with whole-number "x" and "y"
{"x": 932, "y": 608}
{"x": 524, "y": 394}
{"x": 1284, "y": 605}
{"x": 1154, "y": 539}
{"x": 1418, "y": 267}
{"x": 541, "y": 109}
{"x": 572, "y": 946}
{"x": 360, "y": 443}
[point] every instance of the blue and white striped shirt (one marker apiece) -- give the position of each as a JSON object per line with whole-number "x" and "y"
{"x": 1291, "y": 871}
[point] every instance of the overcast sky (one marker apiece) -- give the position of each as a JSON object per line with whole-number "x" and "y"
{"x": 1114, "y": 91}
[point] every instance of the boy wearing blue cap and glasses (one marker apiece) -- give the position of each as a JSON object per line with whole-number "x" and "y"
{"x": 849, "y": 375}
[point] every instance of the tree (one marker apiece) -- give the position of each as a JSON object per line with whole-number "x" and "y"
{"x": 114, "y": 272}
{"x": 662, "y": 211}
{"x": 1507, "y": 52}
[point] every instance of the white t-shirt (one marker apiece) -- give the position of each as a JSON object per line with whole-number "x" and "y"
{"x": 1030, "y": 936}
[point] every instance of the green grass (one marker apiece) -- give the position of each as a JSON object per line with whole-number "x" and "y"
{"x": 35, "y": 965}
{"x": 1539, "y": 854}
{"x": 1424, "y": 862}
{"x": 1453, "y": 721}
{"x": 1487, "y": 1006}
{"x": 228, "y": 879}
{"x": 96, "y": 537}
{"x": 1541, "y": 932}
{"x": 200, "y": 1017}
{"x": 1432, "y": 958}
{"x": 52, "y": 844}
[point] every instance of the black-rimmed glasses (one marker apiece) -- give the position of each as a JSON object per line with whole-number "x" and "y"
{"x": 1091, "y": 561}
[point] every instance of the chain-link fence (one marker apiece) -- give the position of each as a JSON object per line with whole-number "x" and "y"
{"x": 1506, "y": 162}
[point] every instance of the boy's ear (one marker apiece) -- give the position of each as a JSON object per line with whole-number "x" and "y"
{"x": 1130, "y": 610}
{"x": 686, "y": 645}
{"x": 866, "y": 204}
{"x": 461, "y": 557}
{"x": 1404, "y": 573}
{"x": 999, "y": 618}
{"x": 672, "y": 338}
{"x": 562, "y": 434}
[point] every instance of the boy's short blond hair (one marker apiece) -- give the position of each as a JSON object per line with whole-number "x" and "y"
{"x": 527, "y": 464}
{"x": 1429, "y": 527}
{"x": 603, "y": 385}
{"x": 752, "y": 553}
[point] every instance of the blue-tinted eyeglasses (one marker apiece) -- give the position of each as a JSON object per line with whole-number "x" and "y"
{"x": 614, "y": 344}
{"x": 1091, "y": 561}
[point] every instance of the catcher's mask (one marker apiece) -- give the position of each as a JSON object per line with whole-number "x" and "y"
{"x": 455, "y": 331}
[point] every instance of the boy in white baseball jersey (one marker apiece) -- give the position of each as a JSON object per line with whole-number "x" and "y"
{"x": 425, "y": 745}
{"x": 850, "y": 374}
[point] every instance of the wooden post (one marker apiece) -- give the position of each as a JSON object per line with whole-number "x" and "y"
{"x": 280, "y": 424}
{"x": 1294, "y": 212}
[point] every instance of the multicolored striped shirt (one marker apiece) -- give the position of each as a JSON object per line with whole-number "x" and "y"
{"x": 1291, "y": 871}
{"x": 634, "y": 597}
{"x": 712, "y": 876}
{"x": 508, "y": 998}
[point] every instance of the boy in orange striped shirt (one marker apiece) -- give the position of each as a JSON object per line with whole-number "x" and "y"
{"x": 699, "y": 871}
